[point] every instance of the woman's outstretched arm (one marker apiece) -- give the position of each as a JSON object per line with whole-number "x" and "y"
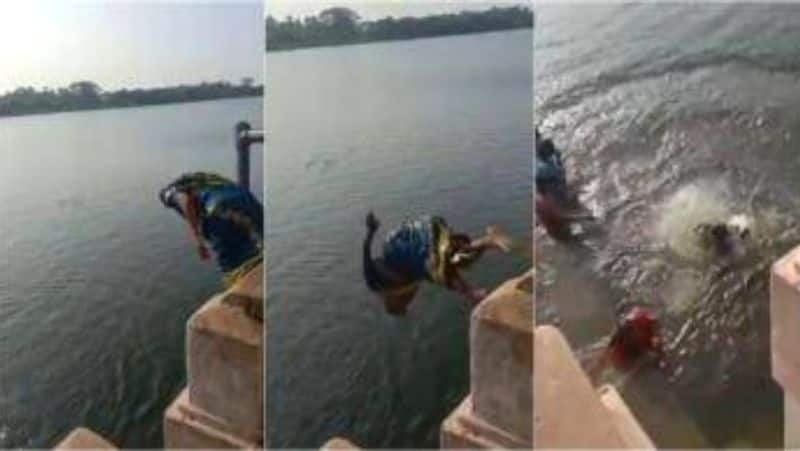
{"x": 371, "y": 272}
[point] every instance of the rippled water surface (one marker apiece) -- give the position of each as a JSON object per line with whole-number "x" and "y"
{"x": 429, "y": 126}
{"x": 671, "y": 115}
{"x": 98, "y": 278}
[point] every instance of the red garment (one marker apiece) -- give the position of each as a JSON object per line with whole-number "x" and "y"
{"x": 636, "y": 336}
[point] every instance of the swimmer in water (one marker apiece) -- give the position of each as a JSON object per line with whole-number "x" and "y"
{"x": 553, "y": 209}
{"x": 551, "y": 176}
{"x": 724, "y": 239}
{"x": 420, "y": 250}
{"x": 550, "y": 189}
{"x": 221, "y": 215}
{"x": 636, "y": 338}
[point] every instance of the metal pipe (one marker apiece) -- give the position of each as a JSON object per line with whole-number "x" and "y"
{"x": 244, "y": 138}
{"x": 254, "y": 136}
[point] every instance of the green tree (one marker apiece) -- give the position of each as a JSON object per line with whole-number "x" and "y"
{"x": 338, "y": 26}
{"x": 342, "y": 24}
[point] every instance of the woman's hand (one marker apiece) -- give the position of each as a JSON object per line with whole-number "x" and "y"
{"x": 372, "y": 222}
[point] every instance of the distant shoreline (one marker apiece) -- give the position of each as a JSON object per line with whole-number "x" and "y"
{"x": 384, "y": 41}
{"x": 124, "y": 107}
{"x": 87, "y": 96}
{"x": 338, "y": 26}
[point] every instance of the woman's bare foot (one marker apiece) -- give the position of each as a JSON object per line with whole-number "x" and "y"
{"x": 498, "y": 238}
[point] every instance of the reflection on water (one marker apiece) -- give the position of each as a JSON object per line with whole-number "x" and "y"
{"x": 678, "y": 125}
{"x": 98, "y": 278}
{"x": 430, "y": 126}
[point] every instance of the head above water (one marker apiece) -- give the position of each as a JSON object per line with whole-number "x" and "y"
{"x": 720, "y": 232}
{"x": 723, "y": 238}
{"x": 546, "y": 149}
{"x": 640, "y": 326}
{"x": 638, "y": 315}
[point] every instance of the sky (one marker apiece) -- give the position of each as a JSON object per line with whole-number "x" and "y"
{"x": 127, "y": 44}
{"x": 378, "y": 9}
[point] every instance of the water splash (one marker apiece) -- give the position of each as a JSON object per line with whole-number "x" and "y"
{"x": 694, "y": 204}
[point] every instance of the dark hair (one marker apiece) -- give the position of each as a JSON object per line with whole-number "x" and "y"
{"x": 460, "y": 239}
{"x": 167, "y": 196}
{"x": 720, "y": 231}
{"x": 546, "y": 149}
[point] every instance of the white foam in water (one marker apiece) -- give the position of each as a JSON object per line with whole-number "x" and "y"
{"x": 681, "y": 293}
{"x": 694, "y": 204}
{"x": 740, "y": 222}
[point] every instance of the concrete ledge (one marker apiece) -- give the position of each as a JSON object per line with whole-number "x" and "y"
{"x": 338, "y": 443}
{"x": 225, "y": 355}
{"x": 187, "y": 427}
{"x": 569, "y": 413}
{"x": 784, "y": 319}
{"x": 82, "y": 438}
{"x": 462, "y": 429}
{"x": 498, "y": 412}
{"x": 784, "y": 312}
{"x": 791, "y": 423}
{"x": 501, "y": 358}
{"x": 630, "y": 429}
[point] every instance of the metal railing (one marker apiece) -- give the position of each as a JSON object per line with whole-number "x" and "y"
{"x": 245, "y": 136}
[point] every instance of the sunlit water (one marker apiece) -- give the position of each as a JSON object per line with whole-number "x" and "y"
{"x": 670, "y": 116}
{"x": 98, "y": 279}
{"x": 430, "y": 126}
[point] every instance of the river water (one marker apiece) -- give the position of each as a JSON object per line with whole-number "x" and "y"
{"x": 668, "y": 116}
{"x": 98, "y": 279}
{"x": 430, "y": 126}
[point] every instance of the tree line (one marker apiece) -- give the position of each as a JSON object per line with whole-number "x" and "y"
{"x": 340, "y": 26}
{"x": 87, "y": 95}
